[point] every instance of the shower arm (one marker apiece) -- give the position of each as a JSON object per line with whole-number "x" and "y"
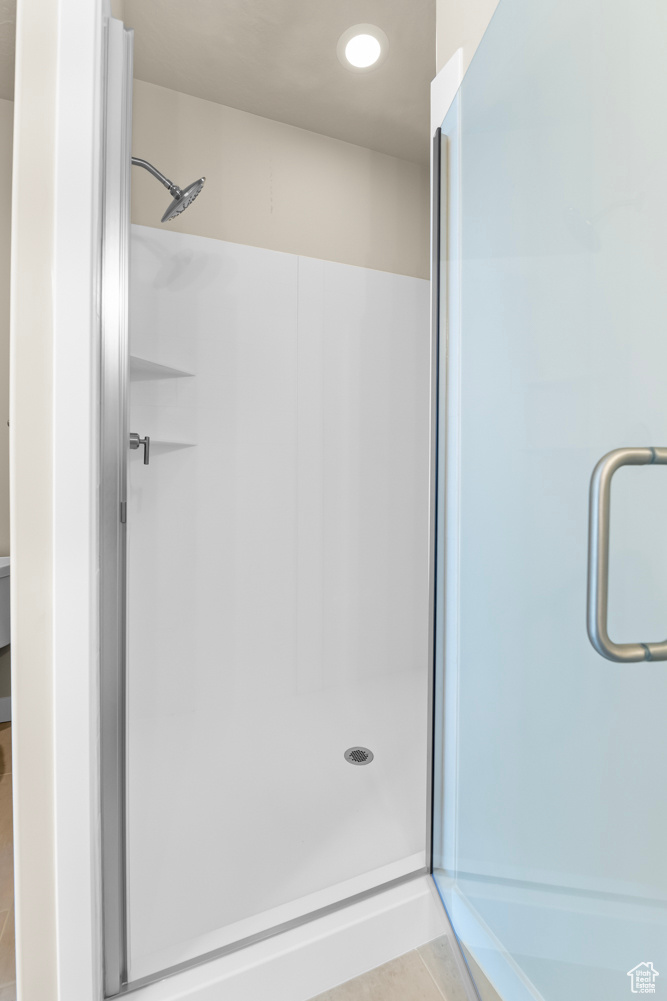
{"x": 173, "y": 189}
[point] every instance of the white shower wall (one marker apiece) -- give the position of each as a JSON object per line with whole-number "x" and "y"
{"x": 278, "y": 588}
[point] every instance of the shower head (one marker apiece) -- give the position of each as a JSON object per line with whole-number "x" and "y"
{"x": 181, "y": 198}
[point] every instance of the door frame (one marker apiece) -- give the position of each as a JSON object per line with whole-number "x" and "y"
{"x": 114, "y": 371}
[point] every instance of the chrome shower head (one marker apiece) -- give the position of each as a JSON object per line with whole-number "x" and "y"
{"x": 181, "y": 198}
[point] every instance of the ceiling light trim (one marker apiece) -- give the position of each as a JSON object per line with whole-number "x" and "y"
{"x": 362, "y": 29}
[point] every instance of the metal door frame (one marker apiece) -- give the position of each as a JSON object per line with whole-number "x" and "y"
{"x": 114, "y": 365}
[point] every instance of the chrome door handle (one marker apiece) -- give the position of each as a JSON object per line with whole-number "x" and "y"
{"x": 598, "y": 555}
{"x": 136, "y": 441}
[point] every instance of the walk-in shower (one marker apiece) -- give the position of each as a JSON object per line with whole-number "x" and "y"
{"x": 268, "y": 620}
{"x": 267, "y": 585}
{"x": 182, "y": 197}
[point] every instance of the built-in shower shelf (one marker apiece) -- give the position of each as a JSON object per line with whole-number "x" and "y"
{"x": 142, "y": 370}
{"x": 165, "y": 445}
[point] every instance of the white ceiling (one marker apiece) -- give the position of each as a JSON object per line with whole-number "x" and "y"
{"x": 7, "y": 44}
{"x": 277, "y": 58}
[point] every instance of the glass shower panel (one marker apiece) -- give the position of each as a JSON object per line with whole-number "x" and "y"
{"x": 278, "y": 591}
{"x": 552, "y": 819}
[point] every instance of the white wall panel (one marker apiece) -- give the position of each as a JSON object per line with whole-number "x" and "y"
{"x": 278, "y": 588}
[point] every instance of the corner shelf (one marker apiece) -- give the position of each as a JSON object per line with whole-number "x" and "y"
{"x": 143, "y": 370}
{"x": 164, "y": 445}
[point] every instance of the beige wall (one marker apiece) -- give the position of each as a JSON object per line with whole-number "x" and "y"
{"x": 6, "y": 124}
{"x": 31, "y": 465}
{"x": 460, "y": 24}
{"x": 276, "y": 186}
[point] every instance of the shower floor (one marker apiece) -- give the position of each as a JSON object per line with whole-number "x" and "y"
{"x": 241, "y": 820}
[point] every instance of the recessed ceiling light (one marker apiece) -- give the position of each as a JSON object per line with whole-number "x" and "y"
{"x": 363, "y": 51}
{"x": 362, "y": 47}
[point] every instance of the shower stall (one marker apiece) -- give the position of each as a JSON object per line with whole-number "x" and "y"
{"x": 265, "y": 605}
{"x": 359, "y": 577}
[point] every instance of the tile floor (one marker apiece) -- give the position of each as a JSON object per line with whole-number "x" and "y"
{"x": 7, "y": 966}
{"x": 429, "y": 973}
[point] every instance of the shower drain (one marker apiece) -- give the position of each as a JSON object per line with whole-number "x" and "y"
{"x": 358, "y": 755}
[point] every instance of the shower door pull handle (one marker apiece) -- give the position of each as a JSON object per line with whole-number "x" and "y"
{"x": 136, "y": 441}
{"x": 598, "y": 556}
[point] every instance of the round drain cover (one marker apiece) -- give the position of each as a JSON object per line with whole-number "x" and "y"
{"x": 359, "y": 755}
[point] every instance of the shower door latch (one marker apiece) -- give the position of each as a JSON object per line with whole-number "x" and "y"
{"x": 136, "y": 440}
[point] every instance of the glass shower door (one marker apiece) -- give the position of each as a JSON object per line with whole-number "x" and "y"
{"x": 551, "y": 764}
